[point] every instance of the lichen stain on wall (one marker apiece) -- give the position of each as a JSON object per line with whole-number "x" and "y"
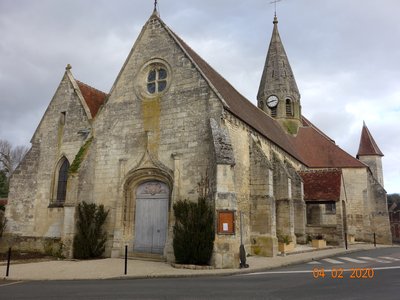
{"x": 151, "y": 111}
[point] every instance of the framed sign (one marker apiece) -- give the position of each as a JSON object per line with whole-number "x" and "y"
{"x": 226, "y": 222}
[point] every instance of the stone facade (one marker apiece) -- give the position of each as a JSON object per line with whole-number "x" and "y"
{"x": 170, "y": 125}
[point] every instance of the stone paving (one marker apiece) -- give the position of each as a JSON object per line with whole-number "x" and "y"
{"x": 111, "y": 268}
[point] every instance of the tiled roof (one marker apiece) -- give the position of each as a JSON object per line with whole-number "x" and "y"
{"x": 319, "y": 151}
{"x": 368, "y": 145}
{"x": 321, "y": 185}
{"x": 239, "y": 105}
{"x": 3, "y": 201}
{"x": 93, "y": 97}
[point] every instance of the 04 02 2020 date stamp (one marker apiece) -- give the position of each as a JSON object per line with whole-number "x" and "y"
{"x": 340, "y": 273}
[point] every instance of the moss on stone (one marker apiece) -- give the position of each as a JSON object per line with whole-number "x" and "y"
{"x": 291, "y": 127}
{"x": 79, "y": 157}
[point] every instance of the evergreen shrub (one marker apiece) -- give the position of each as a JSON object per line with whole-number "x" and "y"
{"x": 89, "y": 240}
{"x": 193, "y": 232}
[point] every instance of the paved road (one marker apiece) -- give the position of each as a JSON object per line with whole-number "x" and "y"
{"x": 295, "y": 282}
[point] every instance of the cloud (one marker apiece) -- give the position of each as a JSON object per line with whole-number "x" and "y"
{"x": 344, "y": 55}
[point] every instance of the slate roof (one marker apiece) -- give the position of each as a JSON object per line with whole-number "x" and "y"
{"x": 322, "y": 185}
{"x": 93, "y": 97}
{"x": 317, "y": 150}
{"x": 368, "y": 145}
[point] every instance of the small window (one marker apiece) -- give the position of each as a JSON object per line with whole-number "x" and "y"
{"x": 62, "y": 118}
{"x": 157, "y": 80}
{"x": 330, "y": 208}
{"x": 289, "y": 108}
{"x": 62, "y": 182}
{"x": 274, "y": 111}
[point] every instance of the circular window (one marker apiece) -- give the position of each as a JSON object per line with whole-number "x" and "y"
{"x": 153, "y": 79}
{"x": 156, "y": 79}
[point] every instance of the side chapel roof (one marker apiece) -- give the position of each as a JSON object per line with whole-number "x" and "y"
{"x": 93, "y": 97}
{"x": 322, "y": 185}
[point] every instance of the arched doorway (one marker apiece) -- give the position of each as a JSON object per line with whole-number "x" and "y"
{"x": 151, "y": 217}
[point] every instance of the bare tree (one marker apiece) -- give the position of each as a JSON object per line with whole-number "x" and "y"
{"x": 10, "y": 156}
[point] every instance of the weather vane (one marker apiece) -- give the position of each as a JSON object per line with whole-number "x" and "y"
{"x": 273, "y": 2}
{"x": 155, "y": 4}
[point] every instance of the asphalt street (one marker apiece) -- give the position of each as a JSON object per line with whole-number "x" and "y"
{"x": 294, "y": 282}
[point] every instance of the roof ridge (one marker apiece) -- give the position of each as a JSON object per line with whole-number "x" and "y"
{"x": 228, "y": 95}
{"x": 310, "y": 124}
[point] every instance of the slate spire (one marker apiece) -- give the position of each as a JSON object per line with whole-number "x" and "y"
{"x": 278, "y": 80}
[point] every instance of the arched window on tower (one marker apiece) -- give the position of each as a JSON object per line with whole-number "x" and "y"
{"x": 289, "y": 108}
{"x": 61, "y": 181}
{"x": 274, "y": 111}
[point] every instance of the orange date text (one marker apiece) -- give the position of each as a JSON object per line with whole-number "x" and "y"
{"x": 339, "y": 273}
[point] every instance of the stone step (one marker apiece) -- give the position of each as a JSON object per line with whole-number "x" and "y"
{"x": 146, "y": 256}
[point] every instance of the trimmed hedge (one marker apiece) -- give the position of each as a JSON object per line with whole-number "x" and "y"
{"x": 194, "y": 232}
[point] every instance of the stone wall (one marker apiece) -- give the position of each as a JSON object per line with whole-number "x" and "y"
{"x": 356, "y": 196}
{"x": 33, "y": 185}
{"x": 168, "y": 133}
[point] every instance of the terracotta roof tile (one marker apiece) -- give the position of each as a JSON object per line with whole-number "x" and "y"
{"x": 319, "y": 151}
{"x": 321, "y": 185}
{"x": 368, "y": 145}
{"x": 240, "y": 106}
{"x": 93, "y": 97}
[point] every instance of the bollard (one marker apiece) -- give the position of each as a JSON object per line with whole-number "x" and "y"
{"x": 126, "y": 259}
{"x": 345, "y": 240}
{"x": 8, "y": 262}
{"x": 374, "y": 240}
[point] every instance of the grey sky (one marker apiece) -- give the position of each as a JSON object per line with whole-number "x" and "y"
{"x": 345, "y": 56}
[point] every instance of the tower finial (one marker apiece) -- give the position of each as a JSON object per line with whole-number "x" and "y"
{"x": 155, "y": 5}
{"x": 274, "y": 2}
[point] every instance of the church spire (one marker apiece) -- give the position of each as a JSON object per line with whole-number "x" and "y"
{"x": 368, "y": 145}
{"x": 278, "y": 94}
{"x": 370, "y": 154}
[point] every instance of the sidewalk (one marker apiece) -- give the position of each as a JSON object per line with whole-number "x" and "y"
{"x": 114, "y": 267}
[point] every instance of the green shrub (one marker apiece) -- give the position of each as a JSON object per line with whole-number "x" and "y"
{"x": 3, "y": 223}
{"x": 89, "y": 241}
{"x": 284, "y": 238}
{"x": 79, "y": 157}
{"x": 193, "y": 232}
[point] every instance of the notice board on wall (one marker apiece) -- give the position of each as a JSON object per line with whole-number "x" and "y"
{"x": 226, "y": 222}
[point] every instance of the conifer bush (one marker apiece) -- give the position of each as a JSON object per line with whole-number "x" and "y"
{"x": 193, "y": 232}
{"x": 89, "y": 240}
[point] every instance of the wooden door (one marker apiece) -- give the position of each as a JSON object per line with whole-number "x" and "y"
{"x": 151, "y": 217}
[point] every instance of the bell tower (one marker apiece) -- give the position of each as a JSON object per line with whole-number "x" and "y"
{"x": 278, "y": 94}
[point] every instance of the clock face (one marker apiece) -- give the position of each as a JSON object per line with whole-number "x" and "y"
{"x": 272, "y": 101}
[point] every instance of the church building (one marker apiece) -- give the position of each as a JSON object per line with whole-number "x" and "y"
{"x": 172, "y": 128}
